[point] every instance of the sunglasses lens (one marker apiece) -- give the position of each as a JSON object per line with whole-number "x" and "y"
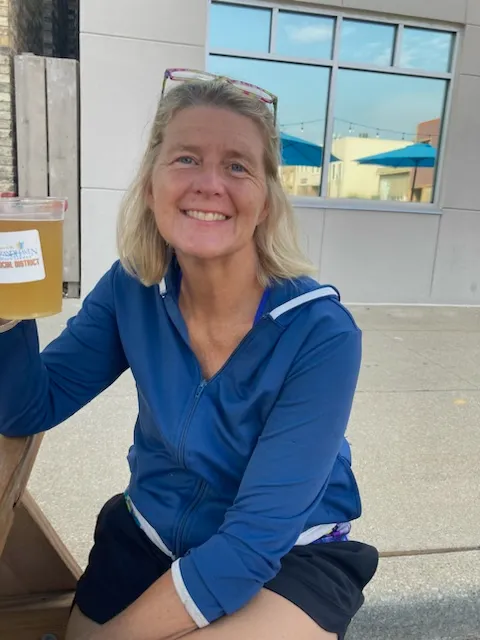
{"x": 256, "y": 91}
{"x": 186, "y": 74}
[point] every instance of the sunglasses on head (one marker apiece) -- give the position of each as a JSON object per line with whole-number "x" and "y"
{"x": 186, "y": 75}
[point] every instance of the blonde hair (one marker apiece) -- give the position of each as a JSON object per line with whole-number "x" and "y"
{"x": 143, "y": 251}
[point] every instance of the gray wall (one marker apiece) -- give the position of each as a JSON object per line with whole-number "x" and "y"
{"x": 124, "y": 50}
{"x": 372, "y": 256}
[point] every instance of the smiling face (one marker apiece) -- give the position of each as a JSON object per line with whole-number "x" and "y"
{"x": 209, "y": 190}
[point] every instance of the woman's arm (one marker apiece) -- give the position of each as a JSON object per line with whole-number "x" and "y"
{"x": 284, "y": 481}
{"x": 157, "y": 615}
{"x": 37, "y": 391}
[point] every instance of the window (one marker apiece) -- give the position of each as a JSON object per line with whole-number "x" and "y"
{"x": 360, "y": 89}
{"x": 367, "y": 42}
{"x": 304, "y": 36}
{"x": 229, "y": 25}
{"x": 294, "y": 84}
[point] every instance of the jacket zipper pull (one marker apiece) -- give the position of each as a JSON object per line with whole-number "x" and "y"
{"x": 200, "y": 388}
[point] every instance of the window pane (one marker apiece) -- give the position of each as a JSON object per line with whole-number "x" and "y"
{"x": 303, "y": 92}
{"x": 426, "y": 49}
{"x": 367, "y": 42}
{"x": 240, "y": 28}
{"x": 305, "y": 36}
{"x": 377, "y": 113}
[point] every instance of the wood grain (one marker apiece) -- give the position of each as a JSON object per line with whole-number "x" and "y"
{"x": 31, "y": 120}
{"x": 35, "y": 560}
{"x": 30, "y": 618}
{"x": 17, "y": 456}
{"x": 63, "y": 154}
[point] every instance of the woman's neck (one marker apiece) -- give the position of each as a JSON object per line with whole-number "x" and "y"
{"x": 220, "y": 291}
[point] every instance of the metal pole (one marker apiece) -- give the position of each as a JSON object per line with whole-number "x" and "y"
{"x": 413, "y": 183}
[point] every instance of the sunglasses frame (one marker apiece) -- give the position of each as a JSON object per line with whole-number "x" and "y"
{"x": 270, "y": 98}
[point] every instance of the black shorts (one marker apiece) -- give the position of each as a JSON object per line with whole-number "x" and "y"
{"x": 324, "y": 580}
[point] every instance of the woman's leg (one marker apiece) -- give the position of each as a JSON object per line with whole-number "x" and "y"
{"x": 269, "y": 616}
{"x": 79, "y": 625}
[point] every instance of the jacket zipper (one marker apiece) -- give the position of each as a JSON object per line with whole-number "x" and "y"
{"x": 201, "y": 387}
{"x": 186, "y": 424}
{"x": 199, "y": 493}
{"x": 181, "y": 447}
{"x": 241, "y": 344}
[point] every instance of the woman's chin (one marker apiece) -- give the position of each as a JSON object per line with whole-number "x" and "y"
{"x": 202, "y": 253}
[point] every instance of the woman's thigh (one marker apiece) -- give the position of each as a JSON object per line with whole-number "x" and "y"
{"x": 268, "y": 616}
{"x": 79, "y": 625}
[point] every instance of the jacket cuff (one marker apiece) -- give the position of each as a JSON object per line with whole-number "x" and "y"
{"x": 184, "y": 595}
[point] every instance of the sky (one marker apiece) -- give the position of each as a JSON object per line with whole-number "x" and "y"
{"x": 382, "y": 104}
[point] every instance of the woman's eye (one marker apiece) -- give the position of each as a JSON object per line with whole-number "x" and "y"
{"x": 185, "y": 160}
{"x": 237, "y": 167}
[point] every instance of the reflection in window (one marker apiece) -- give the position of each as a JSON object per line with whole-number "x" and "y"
{"x": 240, "y": 28}
{"x": 373, "y": 112}
{"x": 303, "y": 92}
{"x": 367, "y": 42}
{"x": 377, "y": 113}
{"x": 426, "y": 49}
{"x": 305, "y": 36}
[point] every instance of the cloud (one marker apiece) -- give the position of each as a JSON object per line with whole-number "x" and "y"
{"x": 384, "y": 58}
{"x": 369, "y": 46}
{"x": 309, "y": 34}
{"x": 440, "y": 43}
{"x": 426, "y": 49}
{"x": 432, "y": 54}
{"x": 373, "y": 52}
{"x": 348, "y": 29}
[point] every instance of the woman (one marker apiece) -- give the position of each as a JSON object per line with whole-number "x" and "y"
{"x": 235, "y": 521}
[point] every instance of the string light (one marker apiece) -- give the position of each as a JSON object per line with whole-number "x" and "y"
{"x": 352, "y": 125}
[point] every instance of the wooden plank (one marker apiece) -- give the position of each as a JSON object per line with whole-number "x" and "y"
{"x": 63, "y": 153}
{"x": 34, "y": 617}
{"x": 31, "y": 123}
{"x": 9, "y": 577}
{"x": 17, "y": 456}
{"x": 35, "y": 560}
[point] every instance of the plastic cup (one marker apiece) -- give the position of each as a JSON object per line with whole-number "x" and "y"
{"x": 31, "y": 257}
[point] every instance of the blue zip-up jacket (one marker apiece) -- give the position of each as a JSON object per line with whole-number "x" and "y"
{"x": 229, "y": 472}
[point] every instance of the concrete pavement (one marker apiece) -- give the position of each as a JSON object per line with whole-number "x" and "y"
{"x": 416, "y": 442}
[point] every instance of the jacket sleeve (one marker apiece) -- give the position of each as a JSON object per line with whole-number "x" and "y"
{"x": 284, "y": 481}
{"x": 39, "y": 391}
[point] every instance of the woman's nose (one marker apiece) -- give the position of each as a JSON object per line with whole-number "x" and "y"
{"x": 209, "y": 181}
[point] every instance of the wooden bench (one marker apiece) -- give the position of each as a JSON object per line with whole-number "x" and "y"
{"x": 38, "y": 574}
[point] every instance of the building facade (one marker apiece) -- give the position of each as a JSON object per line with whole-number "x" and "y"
{"x": 354, "y": 77}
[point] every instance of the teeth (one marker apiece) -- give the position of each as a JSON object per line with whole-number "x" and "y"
{"x": 206, "y": 216}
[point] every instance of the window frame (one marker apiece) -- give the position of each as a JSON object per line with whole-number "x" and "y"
{"x": 323, "y": 201}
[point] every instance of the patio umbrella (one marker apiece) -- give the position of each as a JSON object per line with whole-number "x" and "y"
{"x": 414, "y": 156}
{"x": 298, "y": 152}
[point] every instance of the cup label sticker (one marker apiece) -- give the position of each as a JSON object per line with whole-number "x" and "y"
{"x": 21, "y": 258}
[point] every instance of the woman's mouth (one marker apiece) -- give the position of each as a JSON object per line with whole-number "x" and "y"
{"x": 204, "y": 216}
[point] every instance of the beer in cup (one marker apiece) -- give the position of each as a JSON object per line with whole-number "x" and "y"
{"x": 31, "y": 257}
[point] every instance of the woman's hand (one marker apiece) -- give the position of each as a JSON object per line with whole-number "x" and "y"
{"x": 6, "y": 325}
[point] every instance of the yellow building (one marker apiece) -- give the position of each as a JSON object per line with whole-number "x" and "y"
{"x": 348, "y": 179}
